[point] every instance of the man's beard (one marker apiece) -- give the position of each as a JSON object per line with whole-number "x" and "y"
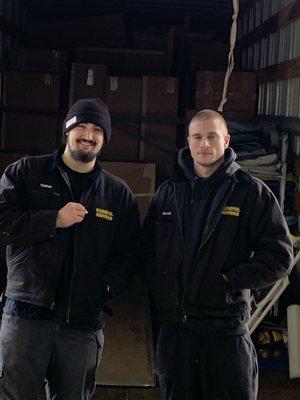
{"x": 83, "y": 156}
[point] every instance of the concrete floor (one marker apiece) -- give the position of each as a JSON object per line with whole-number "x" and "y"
{"x": 274, "y": 385}
{"x": 121, "y": 393}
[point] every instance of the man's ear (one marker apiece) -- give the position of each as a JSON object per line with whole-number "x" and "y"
{"x": 227, "y": 140}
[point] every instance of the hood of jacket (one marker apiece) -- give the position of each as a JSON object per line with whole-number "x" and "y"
{"x": 225, "y": 170}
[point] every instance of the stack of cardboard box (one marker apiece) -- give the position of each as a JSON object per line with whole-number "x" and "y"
{"x": 123, "y": 98}
{"x": 31, "y": 100}
{"x": 87, "y": 81}
{"x": 143, "y": 110}
{"x": 241, "y": 92}
{"x": 140, "y": 177}
{"x": 159, "y": 129}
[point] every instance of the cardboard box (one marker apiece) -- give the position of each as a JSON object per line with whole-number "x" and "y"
{"x": 33, "y": 134}
{"x": 37, "y": 60}
{"x": 31, "y": 90}
{"x": 232, "y": 115}
{"x": 87, "y": 81}
{"x": 158, "y": 137}
{"x": 227, "y": 115}
{"x": 124, "y": 95}
{"x": 123, "y": 98}
{"x": 125, "y": 62}
{"x": 241, "y": 93}
{"x": 160, "y": 148}
{"x": 208, "y": 55}
{"x": 140, "y": 177}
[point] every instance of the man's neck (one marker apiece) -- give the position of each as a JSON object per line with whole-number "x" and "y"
{"x": 205, "y": 171}
{"x": 78, "y": 166}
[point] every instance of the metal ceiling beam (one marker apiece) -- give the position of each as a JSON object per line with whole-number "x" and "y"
{"x": 191, "y": 5}
{"x": 162, "y": 2}
{"x": 203, "y": 12}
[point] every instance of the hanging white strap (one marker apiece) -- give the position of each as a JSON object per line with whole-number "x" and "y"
{"x": 230, "y": 66}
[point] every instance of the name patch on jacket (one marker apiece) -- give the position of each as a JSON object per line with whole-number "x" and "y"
{"x": 45, "y": 185}
{"x": 101, "y": 213}
{"x": 231, "y": 210}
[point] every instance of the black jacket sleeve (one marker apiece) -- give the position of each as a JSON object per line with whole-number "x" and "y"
{"x": 18, "y": 224}
{"x": 123, "y": 257}
{"x": 270, "y": 240}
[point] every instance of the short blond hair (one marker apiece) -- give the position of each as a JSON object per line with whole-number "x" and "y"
{"x": 210, "y": 114}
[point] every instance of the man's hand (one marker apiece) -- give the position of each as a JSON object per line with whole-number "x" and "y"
{"x": 70, "y": 214}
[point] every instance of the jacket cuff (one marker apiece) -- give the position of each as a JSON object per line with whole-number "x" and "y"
{"x": 48, "y": 225}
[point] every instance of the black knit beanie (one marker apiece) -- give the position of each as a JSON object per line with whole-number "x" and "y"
{"x": 88, "y": 110}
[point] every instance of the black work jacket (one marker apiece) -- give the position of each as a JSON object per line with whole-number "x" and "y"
{"x": 245, "y": 245}
{"x": 32, "y": 190}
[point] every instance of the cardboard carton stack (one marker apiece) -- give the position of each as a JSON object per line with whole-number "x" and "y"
{"x": 31, "y": 100}
{"x": 241, "y": 93}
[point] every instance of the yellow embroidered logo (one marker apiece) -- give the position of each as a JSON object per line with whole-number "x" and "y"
{"x": 230, "y": 210}
{"x": 100, "y": 213}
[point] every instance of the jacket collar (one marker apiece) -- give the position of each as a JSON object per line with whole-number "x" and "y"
{"x": 56, "y": 160}
{"x": 224, "y": 171}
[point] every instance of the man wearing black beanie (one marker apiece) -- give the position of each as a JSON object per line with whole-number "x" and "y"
{"x": 71, "y": 231}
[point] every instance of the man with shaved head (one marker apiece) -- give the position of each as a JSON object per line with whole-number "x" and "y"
{"x": 211, "y": 235}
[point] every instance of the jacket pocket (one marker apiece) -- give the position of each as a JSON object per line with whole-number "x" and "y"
{"x": 220, "y": 300}
{"x": 213, "y": 293}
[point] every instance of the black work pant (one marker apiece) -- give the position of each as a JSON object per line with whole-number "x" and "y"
{"x": 31, "y": 350}
{"x": 194, "y": 367}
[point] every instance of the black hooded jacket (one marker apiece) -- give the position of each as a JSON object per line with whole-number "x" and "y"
{"x": 208, "y": 242}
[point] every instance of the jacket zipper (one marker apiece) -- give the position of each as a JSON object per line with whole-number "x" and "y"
{"x": 182, "y": 244}
{"x": 208, "y": 237}
{"x": 206, "y": 240}
{"x": 214, "y": 226}
{"x": 178, "y": 216}
{"x": 67, "y": 181}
